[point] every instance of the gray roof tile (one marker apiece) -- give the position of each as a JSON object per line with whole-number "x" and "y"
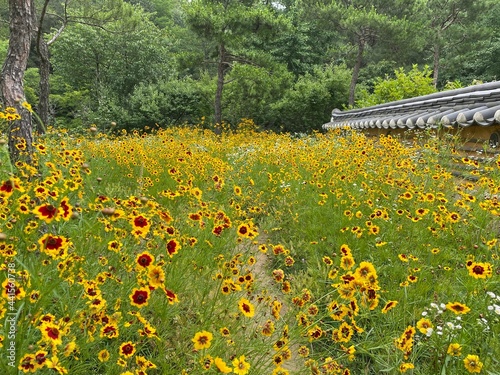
{"x": 473, "y": 105}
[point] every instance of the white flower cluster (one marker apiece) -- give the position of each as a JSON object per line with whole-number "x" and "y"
{"x": 495, "y": 305}
{"x": 451, "y": 327}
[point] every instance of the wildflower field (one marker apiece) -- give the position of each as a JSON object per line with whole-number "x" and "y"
{"x": 184, "y": 252}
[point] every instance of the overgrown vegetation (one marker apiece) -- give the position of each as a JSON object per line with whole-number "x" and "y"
{"x": 184, "y": 252}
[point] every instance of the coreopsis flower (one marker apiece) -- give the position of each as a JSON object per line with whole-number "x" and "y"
{"x": 27, "y": 363}
{"x": 244, "y": 231}
{"x": 388, "y": 306}
{"x": 156, "y": 276}
{"x": 303, "y": 351}
{"x": 343, "y": 333}
{"x": 51, "y": 333}
{"x": 54, "y": 245}
{"x": 10, "y": 289}
{"x": 406, "y": 366}
{"x": 144, "y": 363}
{"x": 454, "y": 349}
{"x": 171, "y": 296}
{"x": 314, "y": 333}
{"x": 139, "y": 297}
{"x": 457, "y": 308}
{"x": 345, "y": 250}
{"x": 222, "y": 366}
{"x": 347, "y": 262}
{"x": 279, "y": 249}
{"x": 268, "y": 328}
{"x": 46, "y": 212}
{"x": 480, "y": 270}
{"x": 144, "y": 259}
{"x": 40, "y": 359}
{"x": 246, "y": 308}
{"x": 127, "y": 349}
{"x": 109, "y": 330}
{"x": 425, "y": 326}
{"x": 280, "y": 371}
{"x": 349, "y": 351}
{"x": 173, "y": 246}
{"x": 473, "y": 364}
{"x": 241, "y": 366}
{"x": 140, "y": 225}
{"x": 202, "y": 340}
{"x": 115, "y": 246}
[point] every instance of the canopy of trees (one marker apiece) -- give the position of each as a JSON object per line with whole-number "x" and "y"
{"x": 286, "y": 64}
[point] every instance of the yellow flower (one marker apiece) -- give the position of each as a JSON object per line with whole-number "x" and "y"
{"x": 424, "y": 325}
{"x": 472, "y": 363}
{"x": 26, "y": 105}
{"x": 222, "y": 366}
{"x": 127, "y": 349}
{"x": 388, "y": 306}
{"x": 405, "y": 367}
{"x": 156, "y": 276}
{"x": 202, "y": 340}
{"x": 103, "y": 355}
{"x": 280, "y": 371}
{"x": 457, "y": 307}
{"x": 241, "y": 367}
{"x": 455, "y": 349}
{"x": 246, "y": 308}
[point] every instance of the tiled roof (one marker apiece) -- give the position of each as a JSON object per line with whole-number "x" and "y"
{"x": 473, "y": 105}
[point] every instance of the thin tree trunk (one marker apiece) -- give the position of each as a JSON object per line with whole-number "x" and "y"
{"x": 44, "y": 87}
{"x": 221, "y": 70}
{"x": 436, "y": 64}
{"x": 44, "y": 72}
{"x": 21, "y": 13}
{"x": 355, "y": 72}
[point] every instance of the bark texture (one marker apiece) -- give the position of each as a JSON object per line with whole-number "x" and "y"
{"x": 21, "y": 13}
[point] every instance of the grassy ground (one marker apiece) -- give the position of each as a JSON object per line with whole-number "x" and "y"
{"x": 183, "y": 252}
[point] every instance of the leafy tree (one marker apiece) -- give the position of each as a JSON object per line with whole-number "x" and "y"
{"x": 230, "y": 29}
{"x": 110, "y": 63}
{"x": 254, "y": 90}
{"x": 447, "y": 23}
{"x": 474, "y": 57}
{"x": 308, "y": 104}
{"x": 54, "y": 18}
{"x": 171, "y": 102}
{"x": 404, "y": 85}
{"x": 362, "y": 27}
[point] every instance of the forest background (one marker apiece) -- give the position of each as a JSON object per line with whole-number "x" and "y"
{"x": 285, "y": 64}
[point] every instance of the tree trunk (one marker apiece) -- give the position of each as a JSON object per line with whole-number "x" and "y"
{"x": 44, "y": 72}
{"x": 355, "y": 72}
{"x": 42, "y": 48}
{"x": 21, "y": 13}
{"x": 436, "y": 64}
{"x": 221, "y": 71}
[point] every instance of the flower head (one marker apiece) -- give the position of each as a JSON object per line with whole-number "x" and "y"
{"x": 202, "y": 340}
{"x": 139, "y": 297}
{"x": 246, "y": 308}
{"x": 241, "y": 367}
{"x": 472, "y": 363}
{"x": 457, "y": 307}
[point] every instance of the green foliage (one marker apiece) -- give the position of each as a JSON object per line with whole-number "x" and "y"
{"x": 252, "y": 90}
{"x": 171, "y": 102}
{"x": 31, "y": 82}
{"x": 404, "y": 85}
{"x": 307, "y": 105}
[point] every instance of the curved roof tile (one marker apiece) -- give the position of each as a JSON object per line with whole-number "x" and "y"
{"x": 473, "y": 105}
